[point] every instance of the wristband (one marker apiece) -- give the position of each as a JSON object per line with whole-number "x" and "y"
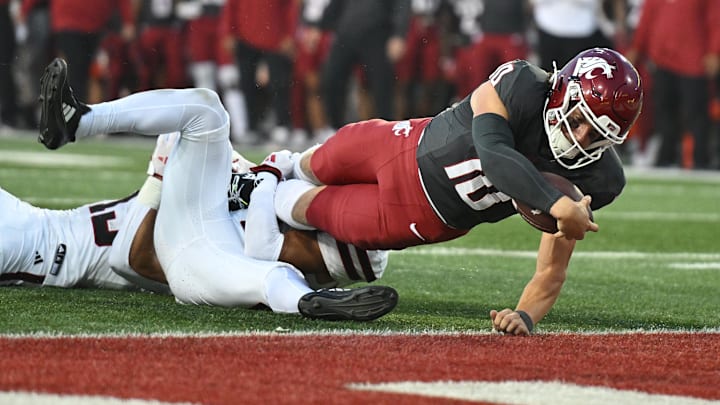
{"x": 526, "y": 318}
{"x": 267, "y": 168}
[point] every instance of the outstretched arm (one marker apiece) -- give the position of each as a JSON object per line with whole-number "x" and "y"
{"x": 542, "y": 291}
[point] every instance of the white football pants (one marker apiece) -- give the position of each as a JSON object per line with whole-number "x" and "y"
{"x": 197, "y": 244}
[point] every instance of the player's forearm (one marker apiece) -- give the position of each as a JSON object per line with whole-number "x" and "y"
{"x": 263, "y": 239}
{"x": 539, "y": 296}
{"x": 544, "y": 288}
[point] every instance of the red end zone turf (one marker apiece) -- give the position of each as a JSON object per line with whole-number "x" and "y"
{"x": 316, "y": 369}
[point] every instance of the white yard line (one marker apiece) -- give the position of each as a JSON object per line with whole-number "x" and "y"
{"x": 36, "y": 398}
{"x": 529, "y": 392}
{"x": 337, "y": 332}
{"x": 60, "y": 159}
{"x": 532, "y": 254}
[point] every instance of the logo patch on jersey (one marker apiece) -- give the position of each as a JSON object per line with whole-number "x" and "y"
{"x": 59, "y": 259}
{"x": 413, "y": 229}
{"x": 402, "y": 128}
{"x": 38, "y": 258}
{"x": 586, "y": 66}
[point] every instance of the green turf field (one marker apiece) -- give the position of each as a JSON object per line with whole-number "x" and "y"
{"x": 655, "y": 264}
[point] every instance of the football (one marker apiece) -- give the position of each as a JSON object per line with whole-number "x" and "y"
{"x": 542, "y": 220}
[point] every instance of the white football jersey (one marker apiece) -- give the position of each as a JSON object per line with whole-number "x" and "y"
{"x": 63, "y": 248}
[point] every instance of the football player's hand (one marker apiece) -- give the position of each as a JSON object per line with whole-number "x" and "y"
{"x": 573, "y": 218}
{"x": 239, "y": 163}
{"x": 510, "y": 322}
{"x": 278, "y": 163}
{"x": 163, "y": 146}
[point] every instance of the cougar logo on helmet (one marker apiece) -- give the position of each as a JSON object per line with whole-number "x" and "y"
{"x": 586, "y": 66}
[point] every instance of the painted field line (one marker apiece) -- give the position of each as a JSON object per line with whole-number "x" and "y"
{"x": 674, "y": 174}
{"x": 35, "y": 398}
{"x": 44, "y": 159}
{"x": 339, "y": 332}
{"x": 695, "y": 266}
{"x": 530, "y": 392}
{"x": 43, "y": 201}
{"x": 663, "y": 216}
{"x": 532, "y": 254}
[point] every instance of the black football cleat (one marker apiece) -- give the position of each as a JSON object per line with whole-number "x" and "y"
{"x": 60, "y": 111}
{"x": 357, "y": 304}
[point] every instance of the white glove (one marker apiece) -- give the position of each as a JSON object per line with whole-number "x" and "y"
{"x": 240, "y": 164}
{"x": 278, "y": 163}
{"x": 164, "y": 146}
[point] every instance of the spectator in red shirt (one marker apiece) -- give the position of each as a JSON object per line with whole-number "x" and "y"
{"x": 210, "y": 64}
{"x": 262, "y": 32}
{"x": 418, "y": 69}
{"x": 77, "y": 28}
{"x": 159, "y": 46}
{"x": 681, "y": 41}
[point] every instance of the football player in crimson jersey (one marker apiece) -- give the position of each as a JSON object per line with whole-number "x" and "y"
{"x": 202, "y": 253}
{"x": 390, "y": 185}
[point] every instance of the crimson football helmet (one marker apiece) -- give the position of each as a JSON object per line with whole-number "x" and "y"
{"x": 606, "y": 89}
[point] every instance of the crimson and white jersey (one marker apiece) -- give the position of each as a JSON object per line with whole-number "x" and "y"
{"x": 62, "y": 248}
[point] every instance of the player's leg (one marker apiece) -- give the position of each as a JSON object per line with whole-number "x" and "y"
{"x": 357, "y": 154}
{"x": 353, "y": 155}
{"x": 283, "y": 289}
{"x": 393, "y": 213}
{"x": 63, "y": 118}
{"x": 204, "y": 262}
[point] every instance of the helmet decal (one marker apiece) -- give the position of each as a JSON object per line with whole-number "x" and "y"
{"x": 586, "y": 66}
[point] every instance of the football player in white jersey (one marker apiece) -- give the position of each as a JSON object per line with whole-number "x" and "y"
{"x": 77, "y": 248}
{"x": 61, "y": 248}
{"x": 196, "y": 241}
{"x": 323, "y": 261}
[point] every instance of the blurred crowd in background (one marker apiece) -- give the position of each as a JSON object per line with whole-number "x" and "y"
{"x": 290, "y": 72}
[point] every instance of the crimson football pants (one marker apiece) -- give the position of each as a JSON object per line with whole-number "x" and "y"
{"x": 374, "y": 197}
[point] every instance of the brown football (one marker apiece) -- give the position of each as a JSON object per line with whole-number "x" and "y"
{"x": 542, "y": 220}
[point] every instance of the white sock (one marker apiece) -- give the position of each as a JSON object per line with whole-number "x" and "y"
{"x": 283, "y": 289}
{"x": 287, "y": 194}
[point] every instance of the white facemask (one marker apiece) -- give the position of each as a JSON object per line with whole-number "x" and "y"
{"x": 561, "y": 146}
